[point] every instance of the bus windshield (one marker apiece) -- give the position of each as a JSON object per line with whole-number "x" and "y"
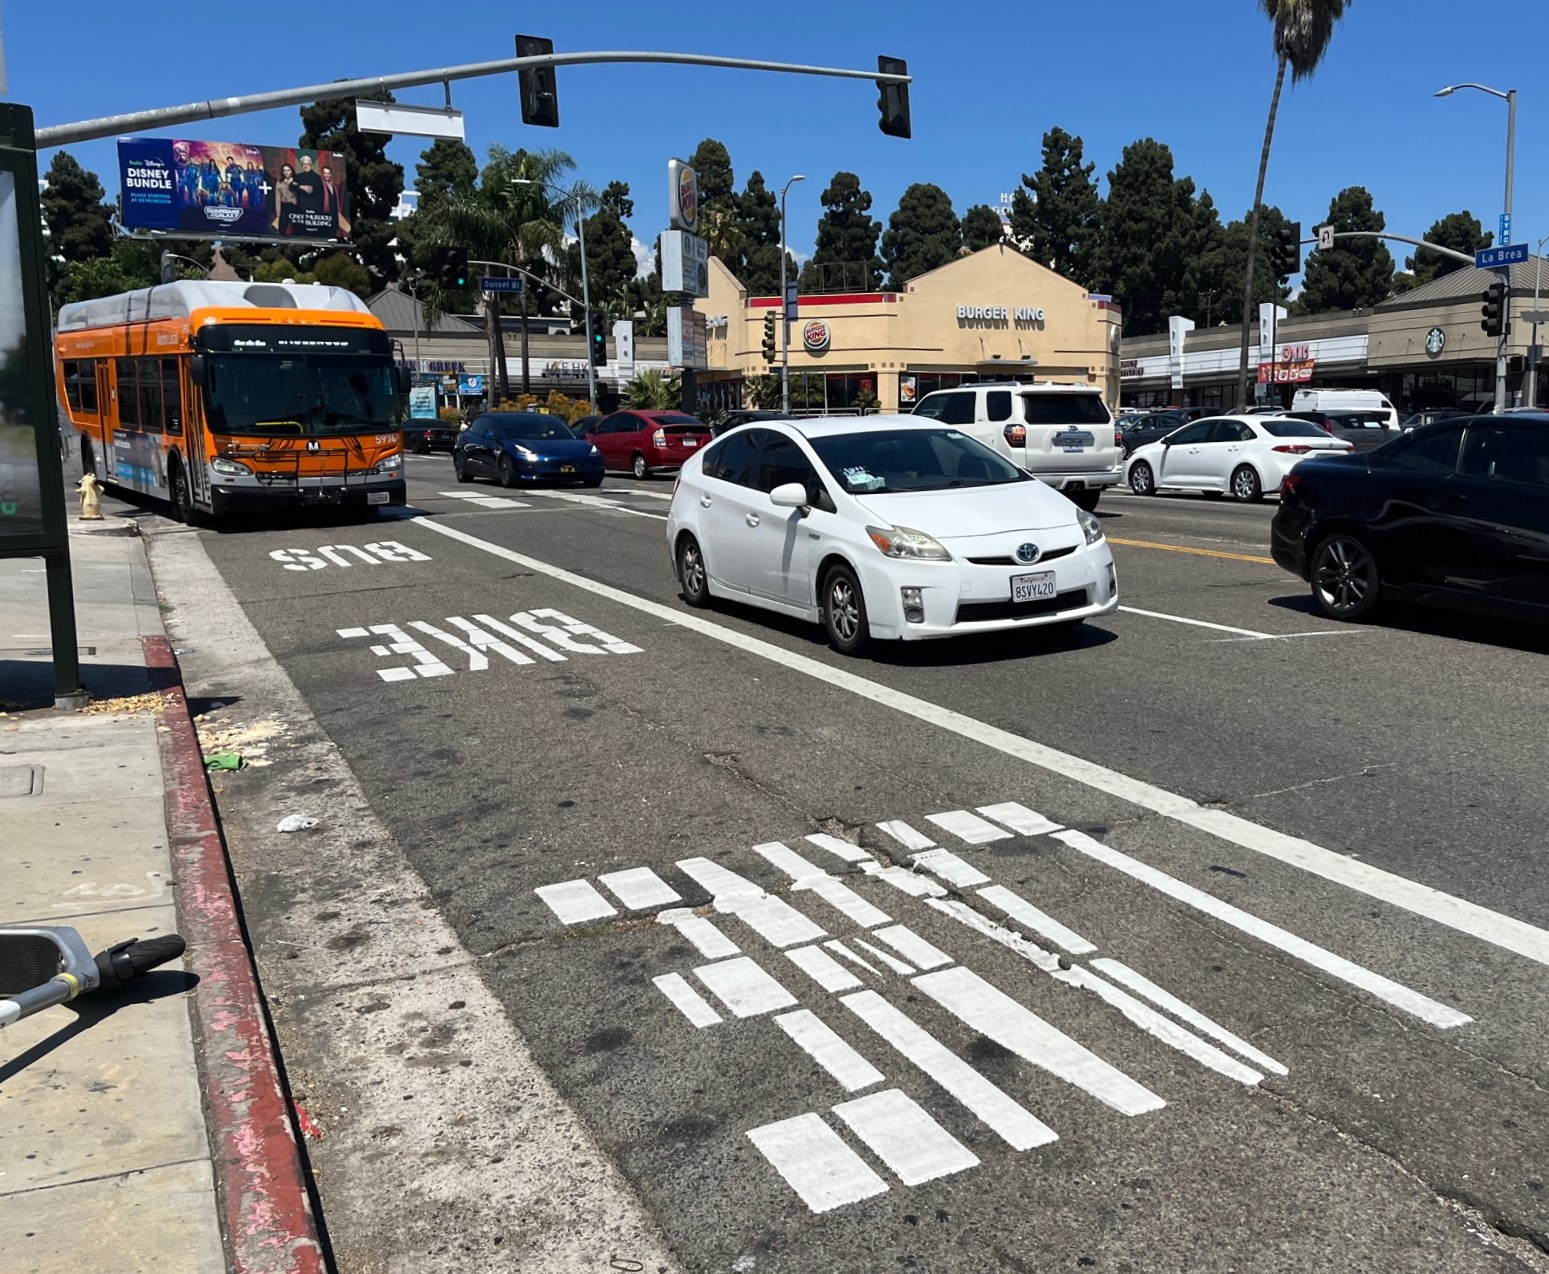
{"x": 309, "y": 394}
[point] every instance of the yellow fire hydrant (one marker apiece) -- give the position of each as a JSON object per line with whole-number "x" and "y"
{"x": 90, "y": 491}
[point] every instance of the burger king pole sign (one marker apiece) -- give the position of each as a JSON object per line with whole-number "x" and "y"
{"x": 682, "y": 196}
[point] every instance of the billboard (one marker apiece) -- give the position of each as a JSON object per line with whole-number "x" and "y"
{"x": 232, "y": 189}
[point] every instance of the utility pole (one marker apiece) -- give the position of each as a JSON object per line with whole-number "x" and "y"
{"x": 785, "y": 322}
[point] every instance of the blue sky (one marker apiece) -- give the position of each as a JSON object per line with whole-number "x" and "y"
{"x": 989, "y": 80}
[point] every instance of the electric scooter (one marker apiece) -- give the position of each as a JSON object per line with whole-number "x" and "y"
{"x": 51, "y": 964}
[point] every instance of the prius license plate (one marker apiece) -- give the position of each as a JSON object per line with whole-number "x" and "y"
{"x": 567, "y": 468}
{"x": 691, "y": 442}
{"x": 1036, "y": 587}
{"x": 376, "y": 497}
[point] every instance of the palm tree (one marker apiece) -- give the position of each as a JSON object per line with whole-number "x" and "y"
{"x": 1303, "y": 29}
{"x": 653, "y": 389}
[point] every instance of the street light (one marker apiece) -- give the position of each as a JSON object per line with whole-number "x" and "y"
{"x": 1509, "y": 96}
{"x": 586, "y": 292}
{"x": 785, "y": 324}
{"x": 1531, "y": 397}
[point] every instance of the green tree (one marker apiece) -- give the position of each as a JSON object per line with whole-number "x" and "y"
{"x": 1055, "y": 214}
{"x": 610, "y": 255}
{"x": 446, "y": 165}
{"x": 1459, "y": 231}
{"x": 921, "y": 235}
{"x": 77, "y": 216}
{"x": 722, "y": 233}
{"x": 846, "y": 254}
{"x": 653, "y": 389}
{"x": 758, "y": 216}
{"x": 374, "y": 182}
{"x": 711, "y": 163}
{"x": 1354, "y": 273}
{"x": 341, "y": 270}
{"x": 1224, "y": 271}
{"x": 615, "y": 199}
{"x": 1302, "y": 31}
{"x": 982, "y": 227}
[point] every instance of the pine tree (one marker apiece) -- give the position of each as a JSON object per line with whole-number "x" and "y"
{"x": 1057, "y": 223}
{"x": 1459, "y": 231}
{"x": 1149, "y": 224}
{"x": 446, "y": 166}
{"x": 75, "y": 211}
{"x": 758, "y": 217}
{"x": 1354, "y": 273}
{"x": 846, "y": 255}
{"x": 373, "y": 181}
{"x": 921, "y": 235}
{"x": 982, "y": 227}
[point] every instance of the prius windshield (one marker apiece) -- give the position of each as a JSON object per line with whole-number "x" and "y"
{"x": 891, "y": 460}
{"x": 307, "y": 394}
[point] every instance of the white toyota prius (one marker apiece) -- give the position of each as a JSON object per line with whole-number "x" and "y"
{"x": 883, "y": 527}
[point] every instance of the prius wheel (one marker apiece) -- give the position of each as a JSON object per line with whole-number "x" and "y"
{"x": 1141, "y": 480}
{"x": 638, "y": 466}
{"x": 457, "y": 467}
{"x": 1086, "y": 500}
{"x": 1345, "y": 583}
{"x": 691, "y": 572}
{"x": 1246, "y": 485}
{"x": 507, "y": 472}
{"x": 844, "y": 612}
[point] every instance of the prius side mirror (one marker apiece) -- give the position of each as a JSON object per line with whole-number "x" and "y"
{"x": 789, "y": 495}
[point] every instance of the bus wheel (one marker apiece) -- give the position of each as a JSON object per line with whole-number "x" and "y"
{"x": 183, "y": 497}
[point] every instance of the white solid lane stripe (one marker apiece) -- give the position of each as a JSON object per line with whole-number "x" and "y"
{"x": 823, "y": 969}
{"x": 693, "y": 1005}
{"x": 1023, "y": 912}
{"x": 840, "y": 848}
{"x": 992, "y": 1013}
{"x": 1467, "y": 917}
{"x": 904, "y": 1137}
{"x": 824, "y": 1045}
{"x": 597, "y": 502}
{"x": 905, "y": 835}
{"x": 744, "y": 987}
{"x": 876, "y": 953}
{"x": 1143, "y": 985}
{"x": 575, "y": 900}
{"x": 1194, "y": 623}
{"x": 639, "y": 888}
{"x": 968, "y": 827}
{"x": 707, "y": 939}
{"x": 816, "y": 1163}
{"x": 1019, "y": 818}
{"x": 809, "y": 877}
{"x": 1422, "y": 1006}
{"x": 906, "y": 881}
{"x": 1017, "y": 1127}
{"x": 951, "y": 868}
{"x": 773, "y": 919}
{"x": 858, "y": 960}
{"x": 911, "y": 946}
{"x": 485, "y": 501}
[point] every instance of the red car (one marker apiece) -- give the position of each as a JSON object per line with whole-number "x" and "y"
{"x": 645, "y": 442}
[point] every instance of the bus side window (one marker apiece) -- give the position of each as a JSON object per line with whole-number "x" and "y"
{"x": 171, "y": 396}
{"x": 72, "y": 379}
{"x": 148, "y": 375}
{"x": 128, "y": 408}
{"x": 88, "y": 381}
{"x": 81, "y": 386}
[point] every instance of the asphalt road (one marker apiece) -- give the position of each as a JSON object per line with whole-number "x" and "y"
{"x": 1233, "y": 959}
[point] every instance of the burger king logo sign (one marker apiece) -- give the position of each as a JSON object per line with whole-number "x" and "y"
{"x": 815, "y": 336}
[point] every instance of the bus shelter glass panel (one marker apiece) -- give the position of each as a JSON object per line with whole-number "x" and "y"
{"x": 21, "y": 487}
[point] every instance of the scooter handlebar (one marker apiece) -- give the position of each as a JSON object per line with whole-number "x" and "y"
{"x": 129, "y": 960}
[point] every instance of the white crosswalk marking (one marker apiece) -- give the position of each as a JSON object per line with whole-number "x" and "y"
{"x": 639, "y": 888}
{"x": 968, "y": 827}
{"x": 824, "y": 1045}
{"x": 952, "y": 869}
{"x": 816, "y": 1163}
{"x": 1022, "y": 911}
{"x": 910, "y": 1142}
{"x": 693, "y": 1005}
{"x": 484, "y": 501}
{"x": 773, "y": 919}
{"x": 709, "y": 941}
{"x": 576, "y": 900}
{"x": 1019, "y": 818}
{"x": 809, "y": 877}
{"x": 743, "y": 987}
{"x": 823, "y": 969}
{"x": 906, "y": 835}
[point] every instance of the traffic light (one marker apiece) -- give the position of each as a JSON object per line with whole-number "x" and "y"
{"x": 540, "y": 98}
{"x": 1494, "y": 309}
{"x": 452, "y": 268}
{"x": 769, "y": 337}
{"x": 599, "y": 340}
{"x": 893, "y": 98}
{"x": 1288, "y": 249}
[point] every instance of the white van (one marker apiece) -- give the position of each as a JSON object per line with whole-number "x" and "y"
{"x": 1062, "y": 434}
{"x": 1369, "y": 400}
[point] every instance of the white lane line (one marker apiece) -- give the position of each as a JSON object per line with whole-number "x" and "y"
{"x": 773, "y": 919}
{"x": 1018, "y": 1127}
{"x": 911, "y": 946}
{"x": 816, "y": 1163}
{"x": 709, "y": 941}
{"x": 951, "y": 868}
{"x": 905, "y": 835}
{"x": 859, "y": 961}
{"x": 839, "y": 848}
{"x": 574, "y": 901}
{"x": 643, "y": 494}
{"x": 639, "y": 888}
{"x": 811, "y": 878}
{"x": 823, "y": 969}
{"x": 826, "y": 1047}
{"x": 876, "y": 953}
{"x": 1040, "y": 922}
{"x": 689, "y": 1001}
{"x": 1506, "y": 932}
{"x": 743, "y": 987}
{"x": 912, "y": 1144}
{"x": 990, "y": 1012}
{"x": 1411, "y": 1001}
{"x": 1196, "y": 623}
{"x": 1019, "y": 818}
{"x": 906, "y": 881}
{"x": 484, "y": 501}
{"x": 597, "y": 502}
{"x": 1143, "y": 985}
{"x": 968, "y": 827}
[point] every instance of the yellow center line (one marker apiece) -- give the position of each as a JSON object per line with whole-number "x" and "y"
{"x": 1179, "y": 548}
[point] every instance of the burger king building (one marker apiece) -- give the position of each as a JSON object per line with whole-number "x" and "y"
{"x": 987, "y": 315}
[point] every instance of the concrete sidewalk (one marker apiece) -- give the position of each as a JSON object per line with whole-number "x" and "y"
{"x": 143, "y": 1130}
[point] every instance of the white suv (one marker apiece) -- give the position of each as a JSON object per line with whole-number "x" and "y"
{"x": 1060, "y": 433}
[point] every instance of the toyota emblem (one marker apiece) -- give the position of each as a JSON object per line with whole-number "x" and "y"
{"x": 1027, "y": 553}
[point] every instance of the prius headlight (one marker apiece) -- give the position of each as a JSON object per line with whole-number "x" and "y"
{"x": 903, "y": 541}
{"x": 1090, "y": 526}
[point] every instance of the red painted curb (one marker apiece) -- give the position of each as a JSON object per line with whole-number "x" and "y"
{"x": 267, "y": 1211}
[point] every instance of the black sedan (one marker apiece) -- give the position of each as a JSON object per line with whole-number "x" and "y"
{"x": 525, "y": 447}
{"x": 1452, "y": 514}
{"x": 1151, "y": 427}
{"x": 424, "y": 436}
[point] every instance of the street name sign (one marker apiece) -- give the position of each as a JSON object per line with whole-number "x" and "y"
{"x": 497, "y": 283}
{"x": 1496, "y": 258}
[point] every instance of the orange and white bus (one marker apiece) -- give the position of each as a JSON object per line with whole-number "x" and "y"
{"x": 232, "y": 397}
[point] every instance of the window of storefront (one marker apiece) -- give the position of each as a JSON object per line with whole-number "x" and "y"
{"x": 913, "y": 386}
{"x": 845, "y": 390}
